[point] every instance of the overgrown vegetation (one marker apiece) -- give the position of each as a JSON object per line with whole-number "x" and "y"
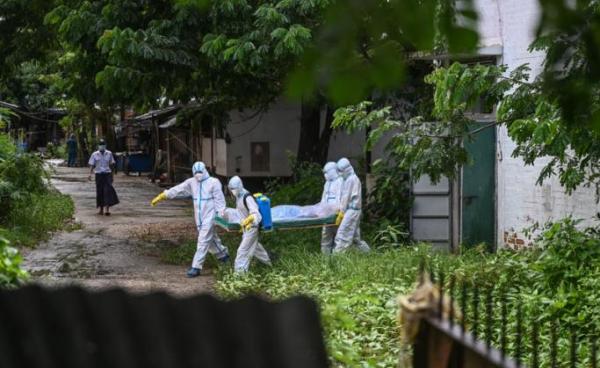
{"x": 30, "y": 207}
{"x": 303, "y": 188}
{"x": 357, "y": 293}
{"x": 10, "y": 272}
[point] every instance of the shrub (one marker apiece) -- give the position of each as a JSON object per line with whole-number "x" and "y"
{"x": 356, "y": 292}
{"x": 304, "y": 188}
{"x": 21, "y": 176}
{"x": 33, "y": 217}
{"x": 11, "y": 273}
{"x": 390, "y": 197}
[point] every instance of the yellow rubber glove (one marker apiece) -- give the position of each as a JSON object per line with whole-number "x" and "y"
{"x": 339, "y": 218}
{"x": 161, "y": 197}
{"x": 248, "y": 222}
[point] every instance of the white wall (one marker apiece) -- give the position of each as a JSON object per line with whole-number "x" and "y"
{"x": 520, "y": 201}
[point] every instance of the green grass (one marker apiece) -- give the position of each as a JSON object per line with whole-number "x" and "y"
{"x": 33, "y": 219}
{"x": 357, "y": 292}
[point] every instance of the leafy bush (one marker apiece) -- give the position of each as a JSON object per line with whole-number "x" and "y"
{"x": 56, "y": 151}
{"x": 357, "y": 292}
{"x": 304, "y": 188}
{"x": 29, "y": 208}
{"x": 31, "y": 219}
{"x": 21, "y": 176}
{"x": 390, "y": 197}
{"x": 10, "y": 272}
{"x": 7, "y": 148}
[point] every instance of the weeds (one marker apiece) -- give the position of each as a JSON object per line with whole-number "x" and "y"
{"x": 10, "y": 272}
{"x": 32, "y": 219}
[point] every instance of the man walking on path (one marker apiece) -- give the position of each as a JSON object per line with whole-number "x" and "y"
{"x": 72, "y": 151}
{"x": 100, "y": 163}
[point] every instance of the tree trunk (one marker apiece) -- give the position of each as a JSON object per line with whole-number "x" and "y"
{"x": 325, "y": 138}
{"x": 84, "y": 149}
{"x": 310, "y": 128}
{"x": 108, "y": 131}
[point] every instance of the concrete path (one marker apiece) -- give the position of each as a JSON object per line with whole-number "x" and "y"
{"x": 118, "y": 250}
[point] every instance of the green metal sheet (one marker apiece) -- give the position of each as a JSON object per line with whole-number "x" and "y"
{"x": 478, "y": 190}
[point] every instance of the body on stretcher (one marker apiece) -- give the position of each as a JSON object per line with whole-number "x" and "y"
{"x": 286, "y": 217}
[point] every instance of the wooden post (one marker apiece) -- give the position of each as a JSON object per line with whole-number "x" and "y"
{"x": 169, "y": 156}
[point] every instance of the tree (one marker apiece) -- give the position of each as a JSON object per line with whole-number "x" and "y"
{"x": 255, "y": 45}
{"x": 26, "y": 45}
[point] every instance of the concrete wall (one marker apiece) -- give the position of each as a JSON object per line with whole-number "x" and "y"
{"x": 520, "y": 201}
{"x": 280, "y": 126}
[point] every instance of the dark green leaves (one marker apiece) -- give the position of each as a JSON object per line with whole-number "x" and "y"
{"x": 570, "y": 34}
{"x": 362, "y": 45}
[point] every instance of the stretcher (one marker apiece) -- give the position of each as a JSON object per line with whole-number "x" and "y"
{"x": 283, "y": 224}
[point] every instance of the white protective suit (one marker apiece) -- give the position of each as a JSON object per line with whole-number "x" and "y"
{"x": 249, "y": 247}
{"x": 207, "y": 194}
{"x": 351, "y": 204}
{"x": 332, "y": 191}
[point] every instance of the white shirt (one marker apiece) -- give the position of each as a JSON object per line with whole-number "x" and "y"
{"x": 101, "y": 161}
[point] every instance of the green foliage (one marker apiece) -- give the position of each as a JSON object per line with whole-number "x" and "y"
{"x": 366, "y": 49}
{"x": 29, "y": 208}
{"x": 357, "y": 292}
{"x": 31, "y": 219}
{"x": 303, "y": 188}
{"x": 56, "y": 151}
{"x": 570, "y": 36}
{"x": 21, "y": 175}
{"x": 389, "y": 200}
{"x": 25, "y": 44}
{"x": 534, "y": 121}
{"x": 5, "y": 115}
{"x": 11, "y": 273}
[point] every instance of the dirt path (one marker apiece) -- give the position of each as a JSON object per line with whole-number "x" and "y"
{"x": 115, "y": 251}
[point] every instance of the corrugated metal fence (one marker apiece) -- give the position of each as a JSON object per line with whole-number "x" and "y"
{"x": 75, "y": 328}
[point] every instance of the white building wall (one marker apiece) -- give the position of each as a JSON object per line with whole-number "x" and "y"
{"x": 520, "y": 202}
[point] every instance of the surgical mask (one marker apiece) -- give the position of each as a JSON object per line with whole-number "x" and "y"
{"x": 347, "y": 172}
{"x": 235, "y": 192}
{"x": 102, "y": 148}
{"x": 330, "y": 175}
{"x": 198, "y": 176}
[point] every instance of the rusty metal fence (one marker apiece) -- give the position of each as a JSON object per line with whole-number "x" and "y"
{"x": 75, "y": 328}
{"x": 474, "y": 339}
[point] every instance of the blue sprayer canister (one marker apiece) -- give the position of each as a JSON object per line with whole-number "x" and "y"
{"x": 264, "y": 207}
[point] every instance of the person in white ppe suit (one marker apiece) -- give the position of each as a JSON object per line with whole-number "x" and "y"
{"x": 248, "y": 209}
{"x": 207, "y": 194}
{"x": 332, "y": 192}
{"x": 348, "y": 232}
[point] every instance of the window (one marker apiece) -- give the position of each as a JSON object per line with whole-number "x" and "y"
{"x": 259, "y": 156}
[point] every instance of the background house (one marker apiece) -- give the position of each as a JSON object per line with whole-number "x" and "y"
{"x": 497, "y": 196}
